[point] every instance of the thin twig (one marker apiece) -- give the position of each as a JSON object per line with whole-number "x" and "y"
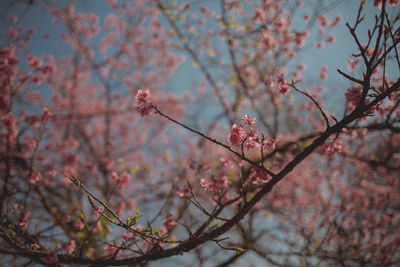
{"x": 292, "y": 84}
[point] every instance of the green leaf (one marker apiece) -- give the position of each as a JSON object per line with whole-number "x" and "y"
{"x": 154, "y": 231}
{"x": 137, "y": 214}
{"x": 132, "y": 221}
{"x": 240, "y": 250}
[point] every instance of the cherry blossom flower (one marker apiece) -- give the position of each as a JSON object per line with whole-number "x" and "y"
{"x": 35, "y": 178}
{"x": 14, "y": 208}
{"x": 70, "y": 246}
{"x": 251, "y": 144}
{"x": 259, "y": 176}
{"x": 122, "y": 180}
{"x": 323, "y": 73}
{"x": 330, "y": 149}
{"x": 336, "y": 21}
{"x": 247, "y": 119}
{"x": 319, "y": 45}
{"x": 112, "y": 250}
{"x": 143, "y": 105}
{"x": 170, "y": 221}
{"x": 394, "y": 2}
{"x": 122, "y": 205}
{"x": 223, "y": 181}
{"x": 378, "y": 3}
{"x": 203, "y": 183}
{"x": 34, "y": 62}
{"x": 353, "y": 96}
{"x": 23, "y": 224}
{"x": 322, "y": 19}
{"x": 79, "y": 225}
{"x": 45, "y": 115}
{"x": 269, "y": 144}
{"x": 352, "y": 64}
{"x": 97, "y": 210}
{"x": 128, "y": 236}
{"x": 185, "y": 192}
{"x": 237, "y": 135}
{"x": 331, "y": 39}
{"x": 98, "y": 227}
{"x": 212, "y": 187}
{"x": 283, "y": 86}
{"x": 12, "y": 33}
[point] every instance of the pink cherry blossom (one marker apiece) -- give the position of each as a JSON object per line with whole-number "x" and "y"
{"x": 237, "y": 135}
{"x": 70, "y": 246}
{"x": 203, "y": 183}
{"x": 128, "y": 236}
{"x": 323, "y": 20}
{"x": 223, "y": 181}
{"x": 79, "y": 225}
{"x": 269, "y": 144}
{"x": 14, "y": 208}
{"x": 353, "y": 96}
{"x": 170, "y": 221}
{"x": 97, "y": 210}
{"x": 248, "y": 120}
{"x": 143, "y": 105}
{"x": 283, "y": 86}
{"x": 23, "y": 224}
{"x": 352, "y": 64}
{"x": 323, "y": 73}
{"x": 98, "y": 227}
{"x": 112, "y": 250}
{"x": 185, "y": 192}
{"x": 259, "y": 176}
{"x": 34, "y": 62}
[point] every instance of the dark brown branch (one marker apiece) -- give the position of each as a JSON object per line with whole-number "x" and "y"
{"x": 350, "y": 77}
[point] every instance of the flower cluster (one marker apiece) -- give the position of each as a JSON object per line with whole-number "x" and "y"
{"x": 352, "y": 64}
{"x": 122, "y": 180}
{"x": 250, "y": 139}
{"x": 184, "y": 192}
{"x": 215, "y": 185}
{"x": 170, "y": 221}
{"x": 378, "y": 3}
{"x": 70, "y": 246}
{"x": 283, "y": 86}
{"x": 330, "y": 149}
{"x": 259, "y": 176}
{"x": 143, "y": 104}
{"x": 353, "y": 96}
{"x": 323, "y": 73}
{"x": 237, "y": 135}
